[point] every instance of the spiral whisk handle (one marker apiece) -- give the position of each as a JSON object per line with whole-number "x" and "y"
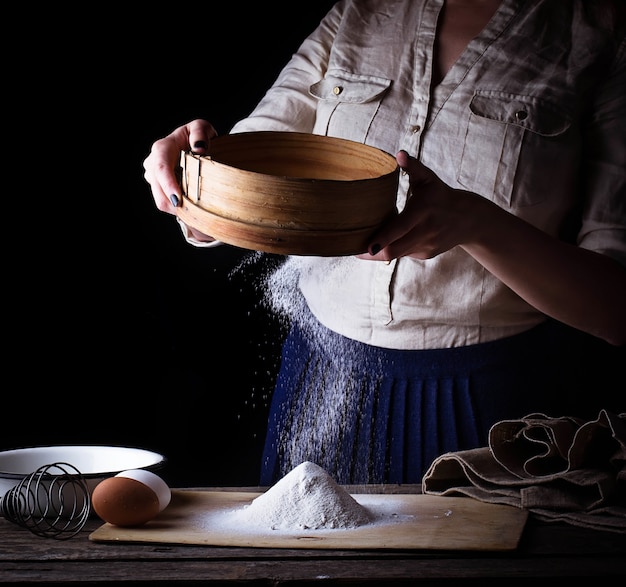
{"x": 53, "y": 502}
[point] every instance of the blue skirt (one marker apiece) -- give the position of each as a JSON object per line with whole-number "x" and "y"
{"x": 374, "y": 415}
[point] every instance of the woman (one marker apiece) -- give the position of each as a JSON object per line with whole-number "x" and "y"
{"x": 502, "y": 276}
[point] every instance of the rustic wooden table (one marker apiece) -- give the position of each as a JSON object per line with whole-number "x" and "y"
{"x": 547, "y": 552}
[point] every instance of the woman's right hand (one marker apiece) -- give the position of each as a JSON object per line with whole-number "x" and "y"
{"x": 161, "y": 164}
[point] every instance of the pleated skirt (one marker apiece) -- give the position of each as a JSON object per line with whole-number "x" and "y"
{"x": 374, "y": 415}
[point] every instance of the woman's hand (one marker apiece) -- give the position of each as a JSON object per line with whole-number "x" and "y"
{"x": 161, "y": 164}
{"x": 579, "y": 287}
{"x": 435, "y": 218}
{"x": 164, "y": 158}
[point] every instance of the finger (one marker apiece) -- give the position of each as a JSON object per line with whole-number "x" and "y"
{"x": 403, "y": 159}
{"x": 393, "y": 229}
{"x": 165, "y": 191}
{"x": 390, "y": 241}
{"x": 160, "y": 172}
{"x": 200, "y": 134}
{"x": 417, "y": 171}
{"x": 393, "y": 238}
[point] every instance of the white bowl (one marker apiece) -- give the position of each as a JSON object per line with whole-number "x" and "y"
{"x": 95, "y": 463}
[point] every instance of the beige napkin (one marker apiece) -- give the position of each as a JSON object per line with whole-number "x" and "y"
{"x": 561, "y": 469}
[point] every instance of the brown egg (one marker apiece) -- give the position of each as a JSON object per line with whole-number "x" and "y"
{"x": 124, "y": 501}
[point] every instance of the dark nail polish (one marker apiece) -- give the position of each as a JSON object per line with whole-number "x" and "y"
{"x": 200, "y": 145}
{"x": 375, "y": 249}
{"x": 174, "y": 200}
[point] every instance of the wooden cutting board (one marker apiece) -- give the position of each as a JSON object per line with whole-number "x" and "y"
{"x": 402, "y": 521}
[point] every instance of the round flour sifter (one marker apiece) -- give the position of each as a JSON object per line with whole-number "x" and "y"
{"x": 289, "y": 193}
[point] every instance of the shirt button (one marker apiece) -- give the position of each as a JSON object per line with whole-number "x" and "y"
{"x": 521, "y": 115}
{"x": 416, "y": 128}
{"x": 337, "y": 90}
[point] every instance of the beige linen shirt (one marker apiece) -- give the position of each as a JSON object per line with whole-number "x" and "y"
{"x": 531, "y": 116}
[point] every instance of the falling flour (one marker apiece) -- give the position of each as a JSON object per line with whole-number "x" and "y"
{"x": 318, "y": 417}
{"x": 307, "y": 498}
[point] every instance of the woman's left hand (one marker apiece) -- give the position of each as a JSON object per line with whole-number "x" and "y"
{"x": 435, "y": 218}
{"x": 583, "y": 288}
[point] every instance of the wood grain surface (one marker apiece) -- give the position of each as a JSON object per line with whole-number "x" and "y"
{"x": 401, "y": 521}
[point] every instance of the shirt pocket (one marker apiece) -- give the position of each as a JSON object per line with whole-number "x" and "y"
{"x": 347, "y": 104}
{"x": 514, "y": 146}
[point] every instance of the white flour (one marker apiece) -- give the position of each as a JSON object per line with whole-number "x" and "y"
{"x": 307, "y": 498}
{"x": 309, "y": 430}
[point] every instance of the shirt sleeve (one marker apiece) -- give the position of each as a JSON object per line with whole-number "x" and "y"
{"x": 603, "y": 226}
{"x": 194, "y": 241}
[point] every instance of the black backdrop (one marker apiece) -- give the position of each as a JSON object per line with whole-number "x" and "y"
{"x": 98, "y": 347}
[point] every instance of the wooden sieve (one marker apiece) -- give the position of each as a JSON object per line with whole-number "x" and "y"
{"x": 289, "y": 193}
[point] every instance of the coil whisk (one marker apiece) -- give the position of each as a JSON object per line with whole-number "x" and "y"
{"x": 53, "y": 502}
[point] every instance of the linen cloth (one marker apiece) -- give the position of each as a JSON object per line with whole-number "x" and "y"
{"x": 559, "y": 469}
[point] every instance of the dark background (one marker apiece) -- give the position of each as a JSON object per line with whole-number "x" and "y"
{"x": 116, "y": 330}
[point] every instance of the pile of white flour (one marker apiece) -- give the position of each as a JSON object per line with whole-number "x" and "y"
{"x": 307, "y": 498}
